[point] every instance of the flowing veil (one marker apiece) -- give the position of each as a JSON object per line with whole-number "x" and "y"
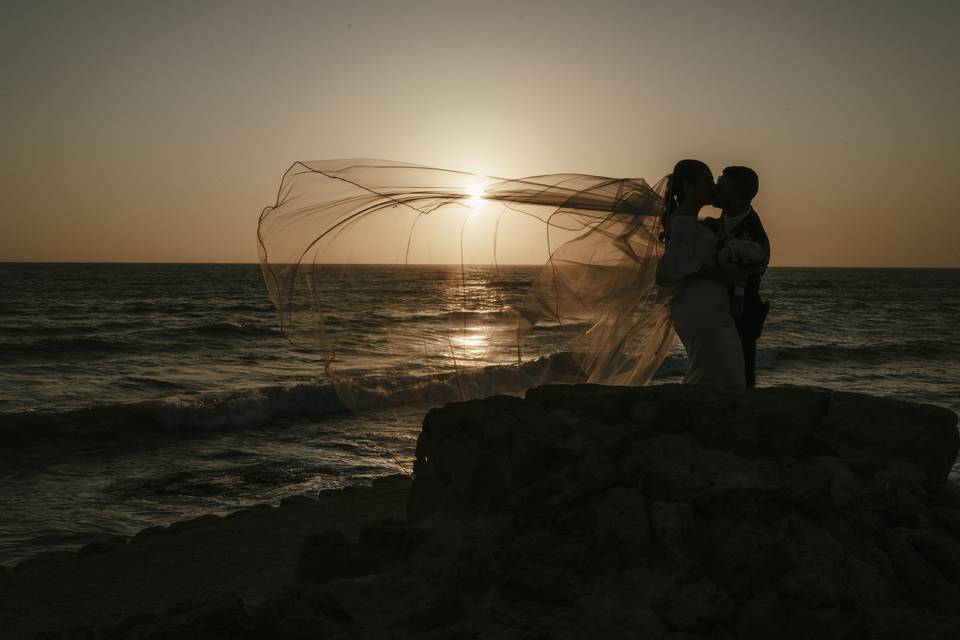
{"x": 598, "y": 236}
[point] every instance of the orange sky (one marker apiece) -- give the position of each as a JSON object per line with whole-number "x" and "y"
{"x": 157, "y": 132}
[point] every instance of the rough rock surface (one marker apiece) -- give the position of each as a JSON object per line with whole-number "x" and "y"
{"x": 658, "y": 512}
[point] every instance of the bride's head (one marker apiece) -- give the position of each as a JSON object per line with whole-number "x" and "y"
{"x": 690, "y": 179}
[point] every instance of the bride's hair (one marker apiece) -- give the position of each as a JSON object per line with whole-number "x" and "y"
{"x": 683, "y": 171}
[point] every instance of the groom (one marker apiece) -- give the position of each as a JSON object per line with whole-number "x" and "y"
{"x": 736, "y": 189}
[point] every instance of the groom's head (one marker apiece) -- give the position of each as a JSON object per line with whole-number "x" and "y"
{"x": 736, "y": 188}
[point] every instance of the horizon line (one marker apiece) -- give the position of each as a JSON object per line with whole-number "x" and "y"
{"x": 415, "y": 264}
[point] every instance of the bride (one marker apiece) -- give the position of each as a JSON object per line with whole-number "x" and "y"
{"x": 700, "y": 308}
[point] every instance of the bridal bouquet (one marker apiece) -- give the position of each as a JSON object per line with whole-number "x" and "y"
{"x": 742, "y": 253}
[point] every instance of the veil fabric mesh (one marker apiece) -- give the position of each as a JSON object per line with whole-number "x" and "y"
{"x": 599, "y": 237}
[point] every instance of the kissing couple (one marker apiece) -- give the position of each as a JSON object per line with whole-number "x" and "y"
{"x": 713, "y": 266}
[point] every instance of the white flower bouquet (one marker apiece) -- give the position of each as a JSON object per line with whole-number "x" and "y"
{"x": 742, "y": 253}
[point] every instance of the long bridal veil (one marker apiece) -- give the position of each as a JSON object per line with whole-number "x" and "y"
{"x": 451, "y": 302}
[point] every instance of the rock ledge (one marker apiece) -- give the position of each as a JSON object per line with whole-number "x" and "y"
{"x": 664, "y": 512}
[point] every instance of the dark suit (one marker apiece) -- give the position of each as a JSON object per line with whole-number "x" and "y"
{"x": 750, "y": 321}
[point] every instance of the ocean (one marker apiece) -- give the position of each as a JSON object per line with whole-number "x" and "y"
{"x": 133, "y": 395}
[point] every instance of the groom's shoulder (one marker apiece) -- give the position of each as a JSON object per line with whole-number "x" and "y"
{"x": 755, "y": 219}
{"x": 754, "y": 227}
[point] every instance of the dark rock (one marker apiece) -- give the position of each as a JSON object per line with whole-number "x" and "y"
{"x": 45, "y": 559}
{"x": 644, "y": 412}
{"x": 937, "y": 551}
{"x": 404, "y": 601}
{"x": 194, "y": 523}
{"x": 331, "y": 556}
{"x": 667, "y": 471}
{"x": 804, "y": 483}
{"x": 257, "y": 508}
{"x": 918, "y": 581}
{"x": 744, "y": 557}
{"x": 901, "y": 475}
{"x": 763, "y": 617}
{"x": 906, "y": 510}
{"x": 148, "y": 534}
{"x": 923, "y": 435}
{"x": 697, "y": 606}
{"x": 580, "y": 520}
{"x": 757, "y": 502}
{"x": 606, "y": 404}
{"x": 301, "y": 612}
{"x": 817, "y": 578}
{"x": 786, "y": 420}
{"x": 597, "y": 470}
{"x": 222, "y": 617}
{"x": 393, "y": 538}
{"x": 622, "y": 515}
{"x": 947, "y": 497}
{"x": 543, "y": 567}
{"x": 838, "y": 623}
{"x": 844, "y": 484}
{"x": 617, "y": 512}
{"x": 949, "y": 519}
{"x": 676, "y": 528}
{"x": 101, "y": 546}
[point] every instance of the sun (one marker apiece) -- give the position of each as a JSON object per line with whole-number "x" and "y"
{"x": 476, "y": 196}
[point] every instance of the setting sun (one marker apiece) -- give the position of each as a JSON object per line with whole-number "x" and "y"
{"x": 476, "y": 195}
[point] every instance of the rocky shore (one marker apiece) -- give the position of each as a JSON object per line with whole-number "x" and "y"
{"x": 656, "y": 512}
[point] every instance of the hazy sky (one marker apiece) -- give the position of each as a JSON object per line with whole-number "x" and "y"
{"x": 157, "y": 131}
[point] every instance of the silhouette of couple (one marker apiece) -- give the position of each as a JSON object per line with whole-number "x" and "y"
{"x": 623, "y": 238}
{"x": 714, "y": 267}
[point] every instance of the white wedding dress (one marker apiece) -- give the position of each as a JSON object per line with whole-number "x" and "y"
{"x": 700, "y": 308}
